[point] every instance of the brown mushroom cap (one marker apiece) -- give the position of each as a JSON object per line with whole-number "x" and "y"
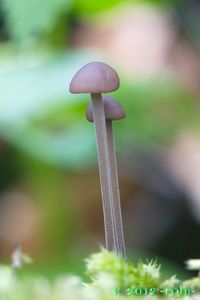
{"x": 113, "y": 110}
{"x": 95, "y": 78}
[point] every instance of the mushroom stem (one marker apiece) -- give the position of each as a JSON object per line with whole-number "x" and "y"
{"x": 117, "y": 215}
{"x": 104, "y": 170}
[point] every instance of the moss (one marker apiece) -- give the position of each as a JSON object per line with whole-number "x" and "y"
{"x": 108, "y": 276}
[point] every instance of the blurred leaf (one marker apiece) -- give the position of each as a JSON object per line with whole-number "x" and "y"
{"x": 31, "y": 82}
{"x": 39, "y": 88}
{"x": 73, "y": 148}
{"x": 88, "y": 6}
{"x": 30, "y": 18}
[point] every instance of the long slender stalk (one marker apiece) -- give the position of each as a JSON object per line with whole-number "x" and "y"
{"x": 117, "y": 215}
{"x": 104, "y": 171}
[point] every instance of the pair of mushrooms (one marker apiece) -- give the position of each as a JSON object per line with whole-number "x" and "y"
{"x": 97, "y": 78}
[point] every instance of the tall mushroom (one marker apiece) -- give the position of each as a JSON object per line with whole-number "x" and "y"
{"x": 97, "y": 78}
{"x": 113, "y": 111}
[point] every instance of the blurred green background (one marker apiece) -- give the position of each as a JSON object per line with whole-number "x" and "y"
{"x": 49, "y": 188}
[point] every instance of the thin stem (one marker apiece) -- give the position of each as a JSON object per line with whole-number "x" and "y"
{"x": 104, "y": 170}
{"x": 118, "y": 224}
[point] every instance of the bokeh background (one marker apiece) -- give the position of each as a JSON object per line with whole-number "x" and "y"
{"x": 50, "y": 199}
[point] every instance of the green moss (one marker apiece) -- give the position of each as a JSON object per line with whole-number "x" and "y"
{"x": 108, "y": 276}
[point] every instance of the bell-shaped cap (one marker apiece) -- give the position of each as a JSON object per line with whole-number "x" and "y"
{"x": 95, "y": 78}
{"x": 112, "y": 108}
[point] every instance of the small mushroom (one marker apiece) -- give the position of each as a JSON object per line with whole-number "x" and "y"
{"x": 96, "y": 78}
{"x": 113, "y": 111}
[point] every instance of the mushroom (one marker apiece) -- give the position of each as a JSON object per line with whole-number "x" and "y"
{"x": 96, "y": 78}
{"x": 113, "y": 111}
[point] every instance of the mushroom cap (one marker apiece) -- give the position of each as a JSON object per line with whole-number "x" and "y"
{"x": 94, "y": 78}
{"x": 112, "y": 108}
